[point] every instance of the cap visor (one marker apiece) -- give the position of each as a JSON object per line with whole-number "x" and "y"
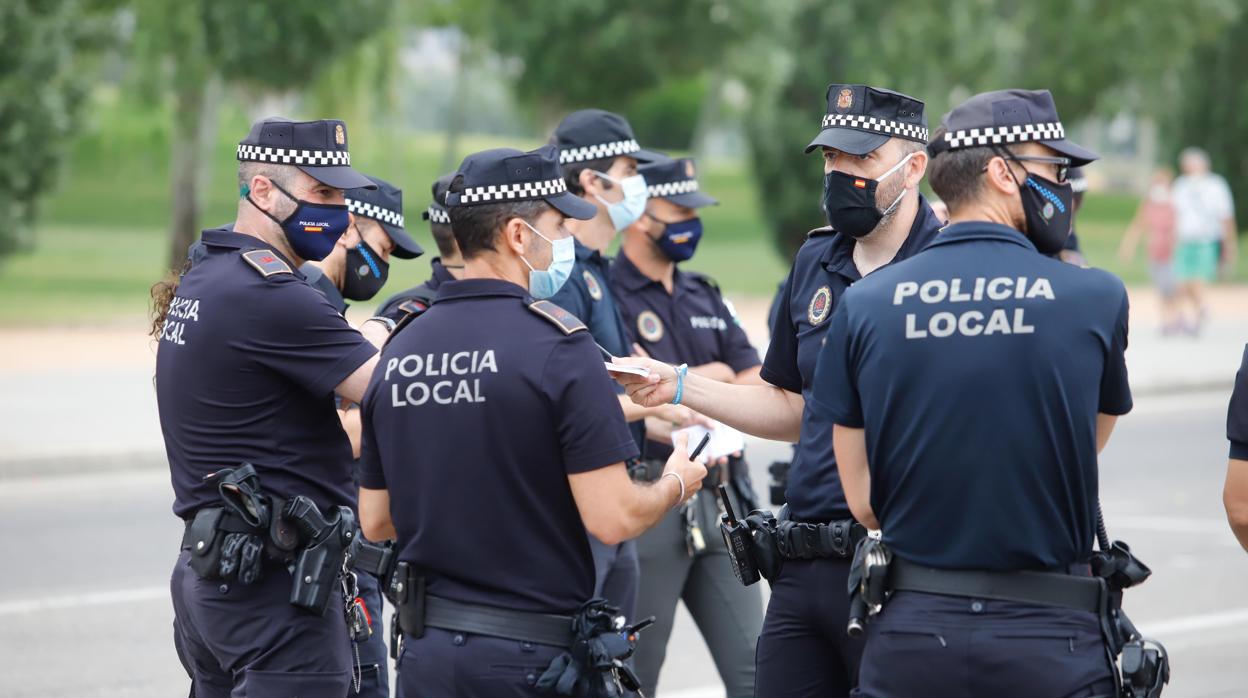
{"x": 1079, "y": 156}
{"x": 404, "y": 246}
{"x": 694, "y": 199}
{"x": 339, "y": 177}
{"x": 572, "y": 206}
{"x": 848, "y": 140}
{"x": 646, "y": 156}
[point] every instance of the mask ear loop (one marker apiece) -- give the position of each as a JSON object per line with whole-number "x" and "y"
{"x": 888, "y": 174}
{"x": 539, "y": 234}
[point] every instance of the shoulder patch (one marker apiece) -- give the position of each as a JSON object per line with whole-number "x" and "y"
{"x": 565, "y": 321}
{"x": 266, "y": 262}
{"x": 413, "y": 307}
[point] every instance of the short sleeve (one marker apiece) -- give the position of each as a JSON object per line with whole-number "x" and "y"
{"x": 834, "y": 394}
{"x": 1225, "y": 204}
{"x": 1237, "y": 413}
{"x": 1115, "y": 389}
{"x": 586, "y": 412}
{"x": 780, "y": 365}
{"x": 371, "y": 474}
{"x": 737, "y": 351}
{"x": 298, "y": 334}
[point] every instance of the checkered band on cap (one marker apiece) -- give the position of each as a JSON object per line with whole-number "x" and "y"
{"x": 292, "y": 156}
{"x": 375, "y": 212}
{"x": 877, "y": 124}
{"x": 512, "y": 192}
{"x": 684, "y": 186}
{"x": 599, "y": 151}
{"x": 995, "y": 135}
{"x": 438, "y": 215}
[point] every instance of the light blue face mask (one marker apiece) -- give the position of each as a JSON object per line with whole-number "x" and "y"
{"x": 627, "y": 210}
{"x": 544, "y": 283}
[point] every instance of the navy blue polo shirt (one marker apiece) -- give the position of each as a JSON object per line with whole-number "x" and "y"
{"x": 245, "y": 372}
{"x": 474, "y": 420}
{"x": 822, "y": 271}
{"x": 977, "y": 369}
{"x": 1237, "y": 413}
{"x": 690, "y": 325}
{"x": 421, "y": 294}
{"x": 587, "y": 295}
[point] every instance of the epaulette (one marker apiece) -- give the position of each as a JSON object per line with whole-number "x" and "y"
{"x": 825, "y": 230}
{"x": 267, "y": 263}
{"x": 705, "y": 280}
{"x": 413, "y": 307}
{"x": 565, "y": 321}
{"x": 399, "y": 327}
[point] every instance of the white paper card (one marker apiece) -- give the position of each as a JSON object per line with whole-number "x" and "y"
{"x": 725, "y": 440}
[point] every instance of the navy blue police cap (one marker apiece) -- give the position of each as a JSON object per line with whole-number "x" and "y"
{"x": 1003, "y": 117}
{"x": 675, "y": 180}
{"x": 861, "y": 118}
{"x": 503, "y": 175}
{"x": 319, "y": 148}
{"x": 594, "y": 134}
{"x": 436, "y": 213}
{"x": 384, "y": 204}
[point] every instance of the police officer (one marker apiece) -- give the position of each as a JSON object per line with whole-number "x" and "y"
{"x": 356, "y": 269}
{"x": 680, "y": 316}
{"x": 494, "y": 442}
{"x": 1235, "y": 495}
{"x": 598, "y": 156}
{"x": 446, "y": 267}
{"x": 250, "y": 356}
{"x": 971, "y": 388}
{"x": 872, "y": 142}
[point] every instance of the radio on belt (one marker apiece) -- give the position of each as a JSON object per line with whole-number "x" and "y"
{"x": 737, "y": 538}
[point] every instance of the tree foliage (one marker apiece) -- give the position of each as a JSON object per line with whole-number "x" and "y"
{"x": 46, "y": 52}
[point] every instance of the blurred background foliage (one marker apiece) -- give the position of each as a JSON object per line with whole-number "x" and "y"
{"x": 118, "y": 118}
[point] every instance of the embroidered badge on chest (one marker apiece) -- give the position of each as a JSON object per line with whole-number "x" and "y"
{"x": 649, "y": 326}
{"x": 591, "y": 284}
{"x": 820, "y": 304}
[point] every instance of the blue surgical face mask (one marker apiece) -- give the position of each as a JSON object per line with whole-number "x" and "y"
{"x": 679, "y": 240}
{"x": 626, "y": 211}
{"x": 311, "y": 229}
{"x": 544, "y": 283}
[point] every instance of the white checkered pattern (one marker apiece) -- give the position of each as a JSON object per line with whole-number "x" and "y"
{"x": 285, "y": 156}
{"x": 377, "y": 213}
{"x": 996, "y": 135}
{"x": 875, "y": 123}
{"x": 596, "y": 152}
{"x": 438, "y": 215}
{"x": 684, "y": 186}
{"x": 512, "y": 192}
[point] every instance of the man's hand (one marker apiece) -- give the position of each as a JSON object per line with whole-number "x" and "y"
{"x": 690, "y": 472}
{"x": 658, "y": 388}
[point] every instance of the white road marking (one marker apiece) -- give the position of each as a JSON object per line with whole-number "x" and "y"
{"x": 69, "y": 601}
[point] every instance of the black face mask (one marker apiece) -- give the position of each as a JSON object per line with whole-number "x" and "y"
{"x": 1047, "y": 211}
{"x": 849, "y": 201}
{"x": 365, "y": 274}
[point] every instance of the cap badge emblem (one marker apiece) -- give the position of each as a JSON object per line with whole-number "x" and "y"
{"x": 845, "y": 99}
{"x": 689, "y": 169}
{"x": 340, "y": 135}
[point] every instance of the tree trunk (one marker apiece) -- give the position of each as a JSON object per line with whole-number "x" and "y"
{"x": 708, "y": 113}
{"x": 458, "y": 105}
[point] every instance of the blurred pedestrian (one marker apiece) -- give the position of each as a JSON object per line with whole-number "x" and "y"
{"x": 1154, "y": 222}
{"x": 1204, "y": 215}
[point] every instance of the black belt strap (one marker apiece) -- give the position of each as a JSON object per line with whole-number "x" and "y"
{"x": 522, "y": 626}
{"x": 806, "y": 541}
{"x": 372, "y": 558}
{"x": 1045, "y": 588}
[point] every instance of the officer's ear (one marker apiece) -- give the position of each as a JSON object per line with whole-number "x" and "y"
{"x": 515, "y": 235}
{"x": 999, "y": 178}
{"x": 590, "y": 182}
{"x": 916, "y": 168}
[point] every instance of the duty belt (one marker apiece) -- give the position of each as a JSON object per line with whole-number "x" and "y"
{"x": 417, "y": 610}
{"x": 806, "y": 541}
{"x": 1081, "y": 593}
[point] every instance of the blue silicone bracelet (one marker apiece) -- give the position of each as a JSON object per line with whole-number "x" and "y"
{"x": 681, "y": 370}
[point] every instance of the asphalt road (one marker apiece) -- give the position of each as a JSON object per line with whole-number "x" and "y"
{"x": 84, "y": 606}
